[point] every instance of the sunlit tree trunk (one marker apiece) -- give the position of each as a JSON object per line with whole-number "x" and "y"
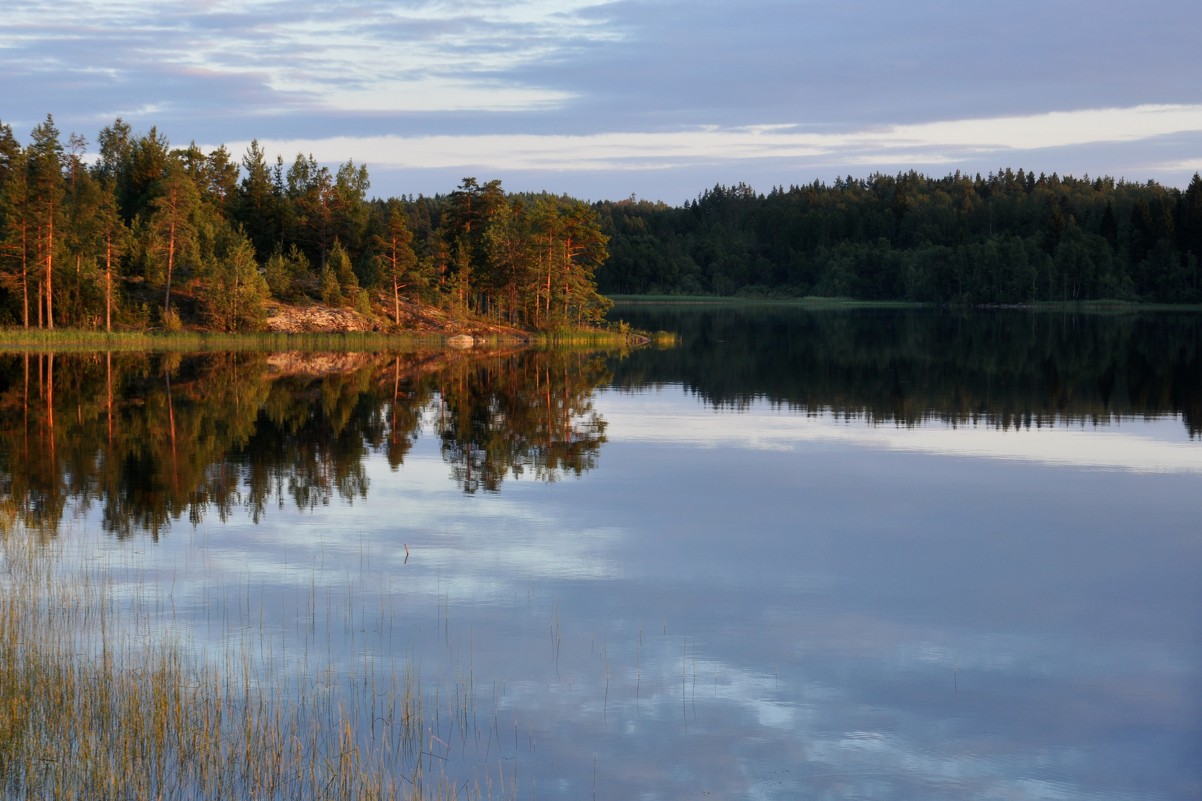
{"x": 45, "y": 190}
{"x": 108, "y": 282}
{"x": 25, "y": 273}
{"x": 170, "y": 264}
{"x": 50, "y": 270}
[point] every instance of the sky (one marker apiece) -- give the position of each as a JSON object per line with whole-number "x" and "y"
{"x": 660, "y": 99}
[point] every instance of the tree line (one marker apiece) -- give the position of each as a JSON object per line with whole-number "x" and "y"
{"x": 141, "y": 233}
{"x": 1006, "y": 238}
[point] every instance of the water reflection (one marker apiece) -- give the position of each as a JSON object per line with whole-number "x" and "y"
{"x": 1154, "y": 446}
{"x": 1007, "y": 368}
{"x": 776, "y": 584}
{"x": 153, "y": 439}
{"x": 163, "y": 437}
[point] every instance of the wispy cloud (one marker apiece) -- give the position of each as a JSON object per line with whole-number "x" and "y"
{"x": 685, "y": 92}
{"x": 357, "y": 56}
{"x": 943, "y": 142}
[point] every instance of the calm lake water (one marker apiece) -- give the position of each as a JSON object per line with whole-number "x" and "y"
{"x": 870, "y": 554}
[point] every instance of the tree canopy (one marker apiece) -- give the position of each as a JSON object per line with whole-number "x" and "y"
{"x": 146, "y": 234}
{"x": 1006, "y": 238}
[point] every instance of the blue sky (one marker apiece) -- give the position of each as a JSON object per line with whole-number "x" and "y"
{"x": 657, "y": 98}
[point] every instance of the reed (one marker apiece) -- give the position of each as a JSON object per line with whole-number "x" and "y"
{"x": 90, "y": 708}
{"x": 619, "y": 336}
{"x": 19, "y": 340}
{"x": 38, "y": 340}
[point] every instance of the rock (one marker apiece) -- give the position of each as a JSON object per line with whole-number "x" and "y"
{"x": 315, "y": 318}
{"x": 461, "y": 341}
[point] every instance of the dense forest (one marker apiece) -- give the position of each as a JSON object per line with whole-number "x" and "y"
{"x": 1008, "y": 238}
{"x": 143, "y": 234}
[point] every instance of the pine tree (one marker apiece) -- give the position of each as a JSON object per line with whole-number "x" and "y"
{"x": 395, "y": 254}
{"x": 45, "y": 203}
{"x": 234, "y": 290}
{"x": 257, "y": 203}
{"x": 14, "y": 220}
{"x": 172, "y": 225}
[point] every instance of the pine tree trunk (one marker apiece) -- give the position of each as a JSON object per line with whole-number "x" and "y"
{"x": 396, "y": 303}
{"x": 50, "y": 273}
{"x": 25, "y": 273}
{"x": 170, "y": 266}
{"x": 108, "y": 283}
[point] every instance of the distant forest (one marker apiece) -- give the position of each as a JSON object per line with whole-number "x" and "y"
{"x": 1006, "y": 238}
{"x": 138, "y": 234}
{"x": 144, "y": 234}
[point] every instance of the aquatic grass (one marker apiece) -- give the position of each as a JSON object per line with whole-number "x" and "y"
{"x": 90, "y": 708}
{"x": 20, "y": 340}
{"x": 67, "y": 340}
{"x": 619, "y": 336}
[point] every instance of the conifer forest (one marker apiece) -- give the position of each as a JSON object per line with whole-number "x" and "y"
{"x": 133, "y": 232}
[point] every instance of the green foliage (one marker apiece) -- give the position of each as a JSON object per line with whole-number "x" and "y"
{"x": 331, "y": 289}
{"x": 396, "y": 261}
{"x": 85, "y": 242}
{"x": 1005, "y": 238}
{"x": 234, "y": 290}
{"x": 284, "y": 273}
{"x": 170, "y": 321}
{"x": 174, "y": 229}
{"x": 340, "y": 266}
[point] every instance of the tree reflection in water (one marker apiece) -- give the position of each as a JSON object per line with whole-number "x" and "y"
{"x": 155, "y": 438}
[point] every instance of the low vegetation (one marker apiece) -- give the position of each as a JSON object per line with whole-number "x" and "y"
{"x": 92, "y": 709}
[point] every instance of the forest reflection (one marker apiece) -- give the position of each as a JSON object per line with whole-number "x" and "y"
{"x": 149, "y": 439}
{"x": 157, "y": 438}
{"x": 1003, "y": 368}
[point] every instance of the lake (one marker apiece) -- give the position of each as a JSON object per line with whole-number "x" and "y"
{"x": 806, "y": 554}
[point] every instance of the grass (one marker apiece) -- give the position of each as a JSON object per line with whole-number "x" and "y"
{"x": 619, "y": 337}
{"x": 75, "y": 340}
{"x": 93, "y": 709}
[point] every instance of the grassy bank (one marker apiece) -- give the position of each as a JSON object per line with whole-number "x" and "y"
{"x": 193, "y": 342}
{"x": 69, "y": 340}
{"x": 620, "y": 336}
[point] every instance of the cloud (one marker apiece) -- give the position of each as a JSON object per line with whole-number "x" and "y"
{"x": 659, "y": 97}
{"x": 357, "y": 56}
{"x": 1184, "y": 165}
{"x": 941, "y": 142}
